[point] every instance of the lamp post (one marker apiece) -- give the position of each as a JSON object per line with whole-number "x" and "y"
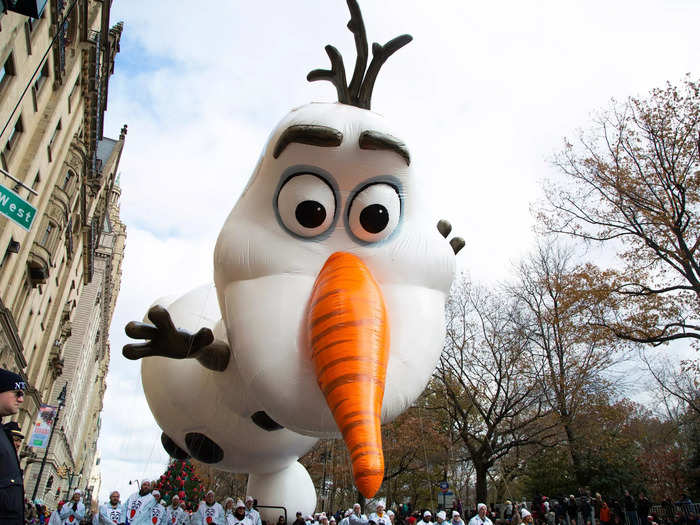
{"x": 71, "y": 477}
{"x": 61, "y": 403}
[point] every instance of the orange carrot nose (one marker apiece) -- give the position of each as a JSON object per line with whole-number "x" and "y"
{"x": 349, "y": 336}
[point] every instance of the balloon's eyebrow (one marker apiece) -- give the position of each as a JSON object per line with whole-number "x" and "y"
{"x": 376, "y": 140}
{"x": 310, "y": 134}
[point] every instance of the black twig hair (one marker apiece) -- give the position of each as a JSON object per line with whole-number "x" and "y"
{"x": 359, "y": 92}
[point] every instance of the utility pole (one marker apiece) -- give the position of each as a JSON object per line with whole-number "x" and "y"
{"x": 61, "y": 403}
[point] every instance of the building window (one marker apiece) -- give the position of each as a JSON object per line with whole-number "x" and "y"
{"x": 7, "y": 71}
{"x": 43, "y": 76}
{"x": 21, "y": 302}
{"x": 47, "y": 234}
{"x": 35, "y": 186}
{"x": 14, "y": 134}
{"x": 12, "y": 247}
{"x": 29, "y": 31}
{"x": 71, "y": 96}
{"x": 53, "y": 140}
{"x": 28, "y": 37}
{"x": 12, "y": 141}
{"x": 66, "y": 180}
{"x": 46, "y": 313}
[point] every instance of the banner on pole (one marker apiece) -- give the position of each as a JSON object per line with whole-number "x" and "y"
{"x": 42, "y": 427}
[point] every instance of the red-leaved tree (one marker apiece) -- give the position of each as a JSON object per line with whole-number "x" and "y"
{"x": 181, "y": 479}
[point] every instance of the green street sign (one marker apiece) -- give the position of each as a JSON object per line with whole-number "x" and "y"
{"x": 16, "y": 208}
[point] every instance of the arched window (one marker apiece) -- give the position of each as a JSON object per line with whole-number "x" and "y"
{"x": 49, "y": 483}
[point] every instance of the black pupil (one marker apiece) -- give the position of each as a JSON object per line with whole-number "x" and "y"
{"x": 310, "y": 214}
{"x": 374, "y": 218}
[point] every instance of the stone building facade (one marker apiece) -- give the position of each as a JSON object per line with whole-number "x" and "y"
{"x": 60, "y": 279}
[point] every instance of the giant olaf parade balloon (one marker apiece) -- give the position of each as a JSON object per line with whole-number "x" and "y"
{"x": 326, "y": 317}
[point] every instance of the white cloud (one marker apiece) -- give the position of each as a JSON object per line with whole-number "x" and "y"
{"x": 484, "y": 93}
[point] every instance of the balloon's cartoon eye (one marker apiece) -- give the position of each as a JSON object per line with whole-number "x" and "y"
{"x": 306, "y": 205}
{"x": 374, "y": 212}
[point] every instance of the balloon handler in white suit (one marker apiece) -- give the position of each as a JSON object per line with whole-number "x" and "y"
{"x": 330, "y": 285}
{"x": 111, "y": 512}
{"x": 73, "y": 511}
{"x": 138, "y": 506}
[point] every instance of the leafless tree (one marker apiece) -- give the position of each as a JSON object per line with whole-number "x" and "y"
{"x": 485, "y": 381}
{"x": 678, "y": 385}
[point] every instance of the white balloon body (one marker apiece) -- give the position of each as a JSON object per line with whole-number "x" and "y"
{"x": 294, "y": 482}
{"x": 264, "y": 271}
{"x": 186, "y": 397}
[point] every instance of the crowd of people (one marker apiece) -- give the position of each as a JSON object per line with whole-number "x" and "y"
{"x": 146, "y": 507}
{"x": 587, "y": 509}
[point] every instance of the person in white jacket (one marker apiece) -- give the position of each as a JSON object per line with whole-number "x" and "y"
{"x": 55, "y": 518}
{"x": 253, "y": 514}
{"x": 456, "y": 518}
{"x": 229, "y": 507}
{"x": 481, "y": 518}
{"x": 426, "y": 518}
{"x": 111, "y": 512}
{"x": 138, "y": 506}
{"x": 380, "y": 517}
{"x": 74, "y": 510}
{"x": 158, "y": 511}
{"x": 210, "y": 512}
{"x": 357, "y": 518}
{"x": 239, "y": 516}
{"x": 176, "y": 515}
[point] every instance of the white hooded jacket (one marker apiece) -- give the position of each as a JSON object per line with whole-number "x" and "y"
{"x": 109, "y": 515}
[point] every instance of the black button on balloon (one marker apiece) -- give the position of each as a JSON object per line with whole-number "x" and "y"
{"x": 374, "y": 218}
{"x": 310, "y": 214}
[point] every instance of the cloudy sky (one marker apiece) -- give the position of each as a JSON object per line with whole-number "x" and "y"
{"x": 484, "y": 96}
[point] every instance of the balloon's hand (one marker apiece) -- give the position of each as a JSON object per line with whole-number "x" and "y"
{"x": 163, "y": 339}
{"x": 444, "y": 227}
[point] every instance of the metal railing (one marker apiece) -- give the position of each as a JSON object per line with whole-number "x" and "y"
{"x": 667, "y": 513}
{"x": 274, "y": 507}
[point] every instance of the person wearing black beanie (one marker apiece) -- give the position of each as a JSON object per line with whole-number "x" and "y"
{"x": 12, "y": 389}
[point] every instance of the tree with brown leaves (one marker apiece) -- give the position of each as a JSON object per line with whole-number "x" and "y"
{"x": 633, "y": 182}
{"x": 565, "y": 344}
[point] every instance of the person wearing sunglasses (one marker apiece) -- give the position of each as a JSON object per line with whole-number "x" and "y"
{"x": 12, "y": 389}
